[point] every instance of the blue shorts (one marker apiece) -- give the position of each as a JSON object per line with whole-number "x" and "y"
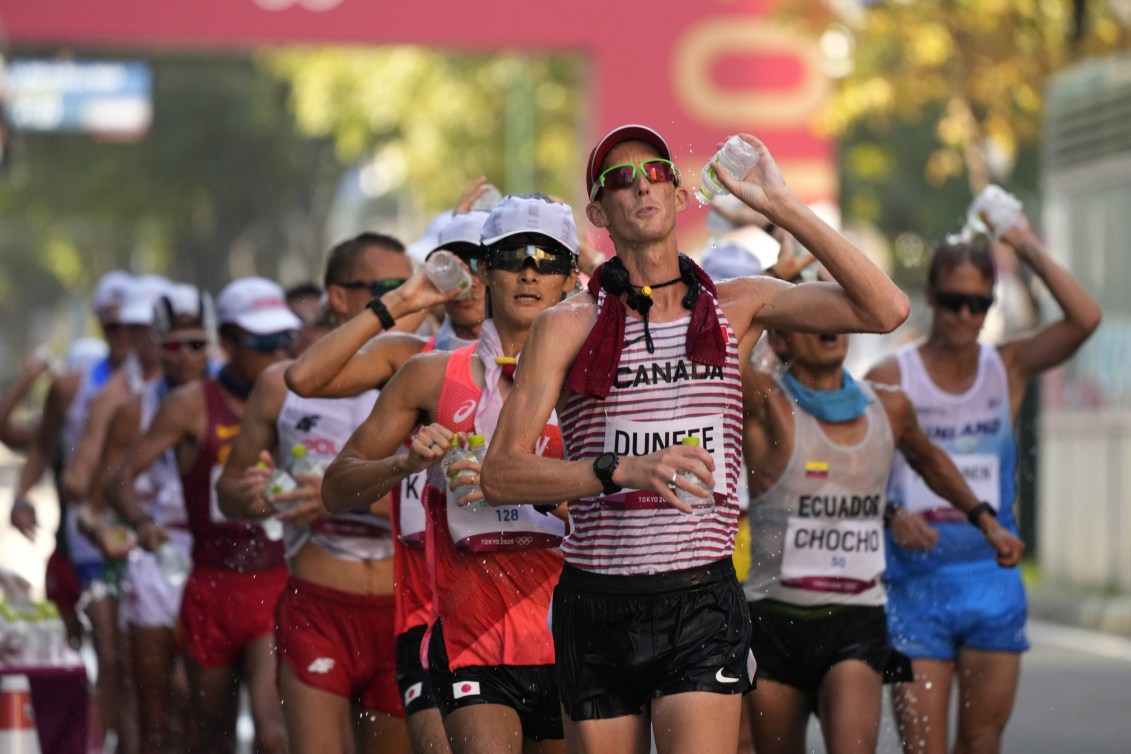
{"x": 963, "y": 605}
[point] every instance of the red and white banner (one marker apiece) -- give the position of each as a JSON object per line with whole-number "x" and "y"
{"x": 694, "y": 71}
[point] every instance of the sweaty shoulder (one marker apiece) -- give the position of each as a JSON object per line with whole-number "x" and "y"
{"x": 566, "y": 324}
{"x": 895, "y": 403}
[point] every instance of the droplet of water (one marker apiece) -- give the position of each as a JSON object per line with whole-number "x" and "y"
{"x": 927, "y": 685}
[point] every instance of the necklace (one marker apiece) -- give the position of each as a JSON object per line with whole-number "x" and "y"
{"x": 647, "y": 289}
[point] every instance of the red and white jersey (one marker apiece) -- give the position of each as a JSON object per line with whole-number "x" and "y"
{"x": 493, "y": 604}
{"x": 656, "y": 400}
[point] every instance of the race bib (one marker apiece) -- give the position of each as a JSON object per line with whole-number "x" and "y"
{"x": 635, "y": 438}
{"x": 410, "y": 511}
{"x": 484, "y": 528}
{"x": 840, "y": 555}
{"x": 981, "y": 471}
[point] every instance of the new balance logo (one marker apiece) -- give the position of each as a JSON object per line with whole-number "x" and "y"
{"x": 322, "y": 665}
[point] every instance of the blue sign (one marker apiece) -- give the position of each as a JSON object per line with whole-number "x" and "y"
{"x": 107, "y": 98}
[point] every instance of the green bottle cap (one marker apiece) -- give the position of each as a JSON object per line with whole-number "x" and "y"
{"x": 689, "y": 441}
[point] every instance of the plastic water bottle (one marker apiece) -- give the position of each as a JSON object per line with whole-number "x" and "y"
{"x": 994, "y": 210}
{"x": 446, "y": 272}
{"x": 477, "y": 450}
{"x": 278, "y": 482}
{"x": 488, "y": 199}
{"x": 174, "y": 562}
{"x": 305, "y": 464}
{"x": 700, "y": 506}
{"x": 737, "y": 157}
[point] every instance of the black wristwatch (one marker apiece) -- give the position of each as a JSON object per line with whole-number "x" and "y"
{"x": 603, "y": 467}
{"x": 977, "y": 511}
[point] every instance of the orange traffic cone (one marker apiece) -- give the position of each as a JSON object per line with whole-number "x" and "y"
{"x": 17, "y": 721}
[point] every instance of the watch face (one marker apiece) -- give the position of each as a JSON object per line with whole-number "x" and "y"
{"x": 606, "y": 462}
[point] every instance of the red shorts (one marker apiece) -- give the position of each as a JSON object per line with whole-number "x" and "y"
{"x": 223, "y": 611}
{"x": 62, "y": 583}
{"x": 340, "y": 643}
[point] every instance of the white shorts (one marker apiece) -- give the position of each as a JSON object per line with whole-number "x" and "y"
{"x": 149, "y": 600}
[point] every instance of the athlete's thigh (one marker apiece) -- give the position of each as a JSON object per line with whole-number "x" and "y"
{"x": 626, "y": 734}
{"x": 698, "y": 721}
{"x": 381, "y": 733}
{"x": 484, "y": 729}
{"x": 987, "y": 686}
{"x": 921, "y": 707}
{"x": 214, "y": 704}
{"x": 849, "y": 704}
{"x": 779, "y": 716}
{"x": 260, "y": 668}
{"x": 317, "y": 721}
{"x": 426, "y": 731}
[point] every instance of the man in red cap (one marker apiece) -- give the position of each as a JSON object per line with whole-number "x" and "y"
{"x": 650, "y": 625}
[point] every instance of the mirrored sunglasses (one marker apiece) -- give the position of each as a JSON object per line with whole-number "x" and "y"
{"x": 270, "y": 343}
{"x": 953, "y": 302}
{"x": 622, "y": 176}
{"x": 514, "y": 258}
{"x": 195, "y": 345}
{"x": 377, "y": 288}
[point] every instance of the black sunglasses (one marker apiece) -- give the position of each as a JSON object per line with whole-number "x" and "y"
{"x": 513, "y": 258}
{"x": 270, "y": 343}
{"x": 377, "y": 288}
{"x": 193, "y": 344}
{"x": 953, "y": 302}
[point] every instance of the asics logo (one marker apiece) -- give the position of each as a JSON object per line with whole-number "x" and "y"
{"x": 463, "y": 412}
{"x": 722, "y": 678}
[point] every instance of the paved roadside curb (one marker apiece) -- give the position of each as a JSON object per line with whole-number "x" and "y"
{"x": 1074, "y": 606}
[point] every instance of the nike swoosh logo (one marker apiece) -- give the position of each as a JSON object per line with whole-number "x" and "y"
{"x": 722, "y": 678}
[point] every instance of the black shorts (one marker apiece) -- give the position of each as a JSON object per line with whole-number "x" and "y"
{"x": 530, "y": 690}
{"x": 621, "y": 641}
{"x": 413, "y": 680}
{"x": 796, "y": 646}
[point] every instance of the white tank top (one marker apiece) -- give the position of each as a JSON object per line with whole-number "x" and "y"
{"x": 323, "y": 425}
{"x": 160, "y": 485}
{"x": 816, "y": 535}
{"x": 656, "y": 399}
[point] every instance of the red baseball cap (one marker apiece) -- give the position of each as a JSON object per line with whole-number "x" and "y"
{"x": 630, "y": 132}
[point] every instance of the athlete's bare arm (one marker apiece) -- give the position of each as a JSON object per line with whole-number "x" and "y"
{"x": 240, "y": 487}
{"x": 179, "y": 423}
{"x": 20, "y": 436}
{"x": 333, "y": 367}
{"x": 59, "y": 397}
{"x": 79, "y": 473}
{"x": 1027, "y": 355}
{"x": 512, "y": 474}
{"x": 940, "y": 473}
{"x": 370, "y": 465}
{"x": 767, "y": 429}
{"x": 863, "y": 299}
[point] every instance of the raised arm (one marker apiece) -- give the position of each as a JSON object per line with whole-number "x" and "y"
{"x": 941, "y": 475}
{"x": 371, "y": 464}
{"x": 333, "y": 368}
{"x": 1030, "y": 354}
{"x": 863, "y": 299}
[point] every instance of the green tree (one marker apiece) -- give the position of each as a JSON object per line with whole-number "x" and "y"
{"x": 223, "y": 184}
{"x": 433, "y": 122}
